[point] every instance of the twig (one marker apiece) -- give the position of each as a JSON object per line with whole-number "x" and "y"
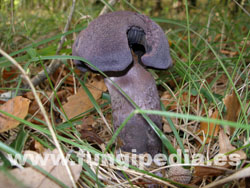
{"x": 53, "y": 134}
{"x": 55, "y": 64}
{"x": 242, "y": 7}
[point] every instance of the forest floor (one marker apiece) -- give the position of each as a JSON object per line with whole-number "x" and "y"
{"x": 205, "y": 97}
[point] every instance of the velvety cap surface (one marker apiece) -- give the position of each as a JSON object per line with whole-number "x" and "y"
{"x": 104, "y": 42}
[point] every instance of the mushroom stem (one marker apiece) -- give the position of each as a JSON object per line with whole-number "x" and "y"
{"x": 140, "y": 86}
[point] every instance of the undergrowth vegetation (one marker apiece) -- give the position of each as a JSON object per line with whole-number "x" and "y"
{"x": 205, "y": 96}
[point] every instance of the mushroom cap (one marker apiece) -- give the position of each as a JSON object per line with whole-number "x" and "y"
{"x": 104, "y": 43}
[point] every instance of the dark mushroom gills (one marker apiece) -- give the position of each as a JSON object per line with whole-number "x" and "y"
{"x": 122, "y": 44}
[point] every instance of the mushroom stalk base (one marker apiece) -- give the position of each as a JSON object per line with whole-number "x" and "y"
{"x": 137, "y": 134}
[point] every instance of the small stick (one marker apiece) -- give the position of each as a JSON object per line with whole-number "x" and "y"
{"x": 240, "y": 5}
{"x": 106, "y": 8}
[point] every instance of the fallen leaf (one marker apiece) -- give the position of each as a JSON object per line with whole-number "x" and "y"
{"x": 202, "y": 171}
{"x": 7, "y": 181}
{"x": 18, "y": 107}
{"x": 87, "y": 123}
{"x": 62, "y": 72}
{"x": 34, "y": 178}
{"x": 220, "y": 85}
{"x": 230, "y": 53}
{"x": 38, "y": 147}
{"x": 34, "y": 108}
{"x": 217, "y": 37}
{"x": 226, "y": 146}
{"x": 232, "y": 109}
{"x": 87, "y": 131}
{"x": 166, "y": 126}
{"x": 91, "y": 137}
{"x": 242, "y": 183}
{"x": 10, "y": 73}
{"x": 169, "y": 101}
{"x": 80, "y": 102}
{"x": 61, "y": 94}
{"x": 209, "y": 129}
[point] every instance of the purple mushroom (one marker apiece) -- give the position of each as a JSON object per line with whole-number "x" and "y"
{"x": 122, "y": 44}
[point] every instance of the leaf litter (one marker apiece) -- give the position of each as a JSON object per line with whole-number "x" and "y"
{"x": 18, "y": 107}
{"x": 31, "y": 177}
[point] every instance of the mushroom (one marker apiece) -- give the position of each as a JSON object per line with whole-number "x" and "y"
{"x": 122, "y": 44}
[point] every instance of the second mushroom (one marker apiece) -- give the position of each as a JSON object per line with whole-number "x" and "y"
{"x": 122, "y": 44}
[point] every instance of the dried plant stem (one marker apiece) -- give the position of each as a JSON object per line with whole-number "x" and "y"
{"x": 53, "y": 134}
{"x": 240, "y": 5}
{"x": 106, "y": 8}
{"x": 12, "y": 16}
{"x": 243, "y": 173}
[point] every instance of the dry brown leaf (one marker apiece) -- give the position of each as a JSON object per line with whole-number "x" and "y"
{"x": 18, "y": 107}
{"x": 80, "y": 102}
{"x": 242, "y": 183}
{"x": 91, "y": 137}
{"x": 217, "y": 37}
{"x": 7, "y": 181}
{"x": 64, "y": 73}
{"x": 33, "y": 178}
{"x": 233, "y": 108}
{"x": 220, "y": 85}
{"x": 87, "y": 131}
{"x": 166, "y": 126}
{"x": 210, "y": 128}
{"x": 10, "y": 74}
{"x": 34, "y": 108}
{"x": 38, "y": 147}
{"x": 226, "y": 146}
{"x": 230, "y": 53}
{"x": 202, "y": 171}
{"x": 87, "y": 123}
{"x": 169, "y": 101}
